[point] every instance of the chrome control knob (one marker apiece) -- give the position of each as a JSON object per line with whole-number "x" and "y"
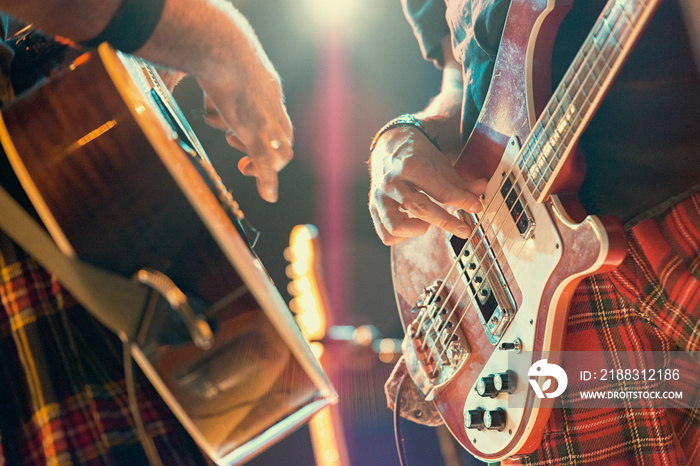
{"x": 505, "y": 381}
{"x": 495, "y": 419}
{"x": 474, "y": 419}
{"x": 486, "y": 388}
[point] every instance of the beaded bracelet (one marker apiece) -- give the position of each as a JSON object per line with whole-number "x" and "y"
{"x": 404, "y": 120}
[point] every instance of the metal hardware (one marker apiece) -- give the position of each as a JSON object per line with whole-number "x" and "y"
{"x": 474, "y": 419}
{"x": 199, "y": 328}
{"x": 516, "y": 346}
{"x": 495, "y": 419}
{"x": 505, "y": 382}
{"x": 486, "y": 388}
{"x": 434, "y": 345}
{"x": 486, "y": 284}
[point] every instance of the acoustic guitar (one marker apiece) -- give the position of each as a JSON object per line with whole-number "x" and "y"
{"x": 483, "y": 314}
{"x": 121, "y": 182}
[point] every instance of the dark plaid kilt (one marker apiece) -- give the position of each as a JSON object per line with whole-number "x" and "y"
{"x": 650, "y": 303}
{"x": 62, "y": 393}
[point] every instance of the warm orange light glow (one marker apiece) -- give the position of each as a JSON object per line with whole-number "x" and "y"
{"x": 301, "y": 286}
{"x": 363, "y": 335}
{"x": 308, "y": 301}
{"x": 91, "y": 136}
{"x": 310, "y": 321}
{"x": 323, "y": 439}
{"x": 389, "y": 349}
{"x": 316, "y": 348}
{"x": 84, "y": 58}
{"x": 310, "y": 306}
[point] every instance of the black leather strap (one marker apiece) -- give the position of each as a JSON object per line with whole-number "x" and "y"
{"x": 132, "y": 25}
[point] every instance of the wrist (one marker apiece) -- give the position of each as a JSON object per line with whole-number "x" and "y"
{"x": 406, "y": 120}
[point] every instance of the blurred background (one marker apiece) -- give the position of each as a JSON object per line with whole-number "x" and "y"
{"x": 348, "y": 67}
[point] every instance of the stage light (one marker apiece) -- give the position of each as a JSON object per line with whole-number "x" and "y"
{"x": 340, "y": 16}
{"x": 334, "y": 13}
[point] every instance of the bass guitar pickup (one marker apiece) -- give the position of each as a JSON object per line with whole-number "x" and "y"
{"x": 483, "y": 277}
{"x": 524, "y": 221}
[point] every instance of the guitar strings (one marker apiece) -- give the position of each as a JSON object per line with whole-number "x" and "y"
{"x": 534, "y": 148}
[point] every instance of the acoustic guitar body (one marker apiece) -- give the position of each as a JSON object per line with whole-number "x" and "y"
{"x": 120, "y": 182}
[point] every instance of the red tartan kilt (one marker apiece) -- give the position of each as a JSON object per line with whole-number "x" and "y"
{"x": 649, "y": 303}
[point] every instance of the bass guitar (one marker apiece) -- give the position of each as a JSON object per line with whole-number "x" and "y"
{"x": 483, "y": 314}
{"x": 121, "y": 182}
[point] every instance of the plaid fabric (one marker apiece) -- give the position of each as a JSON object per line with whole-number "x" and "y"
{"x": 62, "y": 383}
{"x": 650, "y": 303}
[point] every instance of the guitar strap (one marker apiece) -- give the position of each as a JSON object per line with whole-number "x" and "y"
{"x": 114, "y": 300}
